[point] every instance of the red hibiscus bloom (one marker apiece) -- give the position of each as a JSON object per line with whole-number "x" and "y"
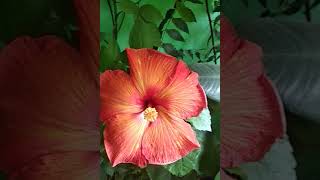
{"x": 252, "y": 114}
{"x": 49, "y": 108}
{"x": 145, "y": 111}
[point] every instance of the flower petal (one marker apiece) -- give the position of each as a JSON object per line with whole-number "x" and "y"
{"x": 48, "y": 101}
{"x": 67, "y": 165}
{"x": 168, "y": 139}
{"x": 229, "y": 37}
{"x": 150, "y": 69}
{"x": 118, "y": 95}
{"x": 183, "y": 96}
{"x": 252, "y": 115}
{"x": 88, "y": 20}
{"x": 122, "y": 139}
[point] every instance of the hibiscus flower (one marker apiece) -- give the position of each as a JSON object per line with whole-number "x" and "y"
{"x": 145, "y": 111}
{"x": 49, "y": 108}
{"x": 251, "y": 112}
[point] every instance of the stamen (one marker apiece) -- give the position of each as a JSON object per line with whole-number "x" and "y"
{"x": 150, "y": 114}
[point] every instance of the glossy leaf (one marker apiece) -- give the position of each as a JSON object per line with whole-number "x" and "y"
{"x": 181, "y": 24}
{"x": 174, "y": 34}
{"x": 291, "y": 61}
{"x": 209, "y": 76}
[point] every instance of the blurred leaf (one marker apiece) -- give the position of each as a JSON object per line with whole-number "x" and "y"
{"x": 174, "y": 34}
{"x": 2, "y": 176}
{"x": 203, "y": 121}
{"x": 156, "y": 172}
{"x": 108, "y": 55}
{"x": 144, "y": 35}
{"x": 237, "y": 172}
{"x": 245, "y": 2}
{"x": 263, "y": 3}
{"x": 181, "y": 24}
{"x": 185, "y": 13}
{"x": 217, "y": 176}
{"x": 209, "y": 76}
{"x": 277, "y": 164}
{"x": 128, "y": 7}
{"x": 195, "y": 1}
{"x": 185, "y": 165}
{"x": 150, "y": 14}
{"x": 170, "y": 49}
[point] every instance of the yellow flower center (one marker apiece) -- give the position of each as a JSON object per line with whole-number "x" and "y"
{"x": 150, "y": 114}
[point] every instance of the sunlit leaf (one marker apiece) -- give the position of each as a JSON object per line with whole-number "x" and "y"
{"x": 144, "y": 35}
{"x": 202, "y": 122}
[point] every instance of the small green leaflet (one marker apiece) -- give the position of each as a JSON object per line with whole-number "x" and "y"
{"x": 217, "y": 176}
{"x": 203, "y": 121}
{"x": 185, "y": 165}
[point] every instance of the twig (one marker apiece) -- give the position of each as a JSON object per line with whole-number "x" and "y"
{"x": 115, "y": 27}
{"x": 211, "y": 31}
{"x": 308, "y": 10}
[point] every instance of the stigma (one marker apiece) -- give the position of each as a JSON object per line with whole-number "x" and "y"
{"x": 150, "y": 114}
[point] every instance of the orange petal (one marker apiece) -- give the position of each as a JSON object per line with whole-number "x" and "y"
{"x": 122, "y": 139}
{"x": 49, "y": 102}
{"x": 66, "y": 165}
{"x": 183, "y": 96}
{"x": 118, "y": 95}
{"x": 251, "y": 113}
{"x": 89, "y": 25}
{"x": 150, "y": 69}
{"x": 168, "y": 139}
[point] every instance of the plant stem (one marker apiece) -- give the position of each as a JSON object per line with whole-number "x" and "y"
{"x": 115, "y": 27}
{"x": 308, "y": 10}
{"x": 211, "y": 31}
{"x": 111, "y": 11}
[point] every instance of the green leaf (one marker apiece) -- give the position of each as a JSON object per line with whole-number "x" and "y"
{"x": 150, "y": 14}
{"x": 158, "y": 173}
{"x": 195, "y": 1}
{"x": 185, "y": 165}
{"x": 181, "y": 24}
{"x": 217, "y": 176}
{"x": 144, "y": 35}
{"x": 128, "y": 7}
{"x": 108, "y": 55}
{"x": 245, "y": 2}
{"x": 174, "y": 34}
{"x": 2, "y": 176}
{"x": 238, "y": 172}
{"x": 171, "y": 50}
{"x": 186, "y": 13}
{"x": 263, "y": 3}
{"x": 203, "y": 121}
